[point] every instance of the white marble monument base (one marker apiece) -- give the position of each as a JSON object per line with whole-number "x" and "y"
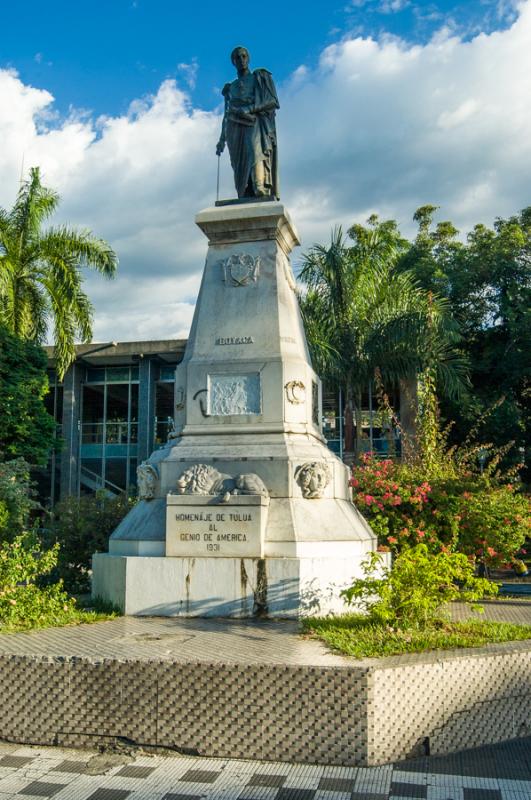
{"x": 224, "y": 587}
{"x": 245, "y": 511}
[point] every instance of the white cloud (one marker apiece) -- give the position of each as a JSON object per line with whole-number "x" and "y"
{"x": 392, "y": 6}
{"x": 379, "y": 126}
{"x": 189, "y": 72}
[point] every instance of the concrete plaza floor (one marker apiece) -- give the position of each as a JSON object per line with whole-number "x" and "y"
{"x": 211, "y": 640}
{"x": 497, "y": 772}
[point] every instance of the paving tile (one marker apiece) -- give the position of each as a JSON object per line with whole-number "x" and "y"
{"x": 445, "y": 793}
{"x": 109, "y": 794}
{"x": 322, "y": 794}
{"x": 481, "y": 794}
{"x": 42, "y": 789}
{"x": 265, "y": 779}
{"x": 404, "y": 776}
{"x": 200, "y": 776}
{"x": 336, "y": 784}
{"x": 296, "y": 794}
{"x": 173, "y": 796}
{"x": 368, "y": 796}
{"x": 15, "y": 761}
{"x": 74, "y": 767}
{"x": 132, "y": 771}
{"x": 13, "y": 784}
{"x": 259, "y": 793}
{"x": 407, "y": 789}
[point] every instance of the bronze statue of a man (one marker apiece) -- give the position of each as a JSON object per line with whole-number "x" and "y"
{"x": 249, "y": 129}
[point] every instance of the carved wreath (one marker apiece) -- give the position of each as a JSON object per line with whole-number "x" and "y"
{"x": 295, "y": 392}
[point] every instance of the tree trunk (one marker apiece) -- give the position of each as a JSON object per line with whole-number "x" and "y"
{"x": 359, "y": 425}
{"x": 349, "y": 433}
{"x": 408, "y": 416}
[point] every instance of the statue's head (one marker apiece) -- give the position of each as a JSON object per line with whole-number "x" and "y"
{"x": 240, "y": 57}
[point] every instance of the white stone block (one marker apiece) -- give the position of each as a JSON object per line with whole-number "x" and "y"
{"x": 224, "y": 587}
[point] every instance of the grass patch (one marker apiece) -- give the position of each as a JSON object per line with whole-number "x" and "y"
{"x": 356, "y": 635}
{"x": 72, "y": 616}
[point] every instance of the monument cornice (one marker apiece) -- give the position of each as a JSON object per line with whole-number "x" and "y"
{"x": 249, "y": 222}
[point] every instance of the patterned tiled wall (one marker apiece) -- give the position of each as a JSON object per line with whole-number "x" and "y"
{"x": 456, "y": 701}
{"x": 360, "y": 714}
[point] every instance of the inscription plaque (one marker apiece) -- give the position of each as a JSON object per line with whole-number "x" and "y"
{"x": 201, "y": 527}
{"x": 235, "y": 340}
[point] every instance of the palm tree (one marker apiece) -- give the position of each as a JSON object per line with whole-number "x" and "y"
{"x": 40, "y": 272}
{"x": 362, "y": 317}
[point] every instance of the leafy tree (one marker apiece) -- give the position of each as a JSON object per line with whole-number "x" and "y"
{"x": 26, "y": 428}
{"x": 363, "y": 316}
{"x": 40, "y": 272}
{"x": 487, "y": 281}
{"x": 16, "y": 498}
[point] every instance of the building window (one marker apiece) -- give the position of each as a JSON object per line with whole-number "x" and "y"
{"x": 164, "y": 409}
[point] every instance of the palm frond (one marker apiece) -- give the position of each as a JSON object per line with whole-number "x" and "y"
{"x": 34, "y": 204}
{"x": 41, "y": 272}
{"x": 81, "y": 248}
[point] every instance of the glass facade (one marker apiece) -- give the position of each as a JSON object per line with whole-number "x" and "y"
{"x": 379, "y": 434}
{"x": 109, "y": 429}
{"x": 111, "y": 416}
{"x": 164, "y": 402}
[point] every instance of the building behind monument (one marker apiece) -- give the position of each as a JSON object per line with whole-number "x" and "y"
{"x": 114, "y": 407}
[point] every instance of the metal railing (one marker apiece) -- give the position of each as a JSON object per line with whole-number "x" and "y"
{"x": 386, "y": 446}
{"x": 109, "y": 432}
{"x": 96, "y": 482}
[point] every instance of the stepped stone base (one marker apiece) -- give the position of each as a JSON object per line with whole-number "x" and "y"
{"x": 223, "y": 587}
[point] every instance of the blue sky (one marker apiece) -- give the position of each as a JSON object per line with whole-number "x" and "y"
{"x": 385, "y": 105}
{"x": 101, "y": 55}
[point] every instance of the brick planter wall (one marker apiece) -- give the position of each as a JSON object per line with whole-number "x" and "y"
{"x": 363, "y": 713}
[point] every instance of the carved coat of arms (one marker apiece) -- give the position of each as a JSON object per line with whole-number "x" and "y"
{"x": 240, "y": 269}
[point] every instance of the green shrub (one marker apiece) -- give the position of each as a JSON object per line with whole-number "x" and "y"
{"x": 82, "y": 527}
{"x": 23, "y": 603}
{"x": 412, "y": 591}
{"x": 16, "y": 498}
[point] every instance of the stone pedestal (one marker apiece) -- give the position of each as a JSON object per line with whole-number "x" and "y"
{"x": 246, "y": 510}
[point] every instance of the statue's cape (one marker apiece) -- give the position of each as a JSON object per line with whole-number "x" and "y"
{"x": 265, "y": 88}
{"x": 267, "y": 93}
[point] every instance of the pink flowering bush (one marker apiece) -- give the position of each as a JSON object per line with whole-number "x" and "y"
{"x": 457, "y": 511}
